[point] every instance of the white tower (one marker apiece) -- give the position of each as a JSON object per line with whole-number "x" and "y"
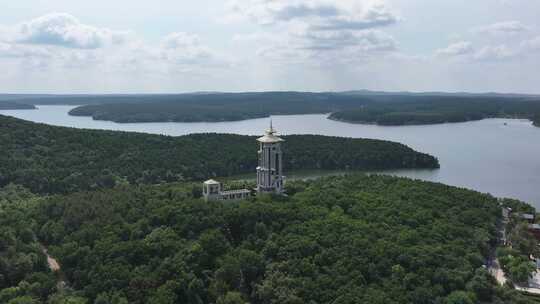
{"x": 270, "y": 170}
{"x": 211, "y": 190}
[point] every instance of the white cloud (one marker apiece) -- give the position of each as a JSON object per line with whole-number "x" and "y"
{"x": 456, "y": 49}
{"x": 280, "y": 44}
{"x": 531, "y": 44}
{"x": 307, "y": 29}
{"x": 506, "y": 27}
{"x": 498, "y": 52}
{"x": 60, "y": 41}
{"x": 321, "y": 14}
{"x": 180, "y": 40}
{"x": 21, "y": 51}
{"x": 464, "y": 50}
{"x": 185, "y": 52}
{"x": 368, "y": 41}
{"x": 64, "y": 30}
{"x": 491, "y": 49}
{"x": 182, "y": 47}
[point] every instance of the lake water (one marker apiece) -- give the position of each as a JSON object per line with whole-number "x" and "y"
{"x": 497, "y": 156}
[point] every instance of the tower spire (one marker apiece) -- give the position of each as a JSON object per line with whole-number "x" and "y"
{"x": 271, "y": 131}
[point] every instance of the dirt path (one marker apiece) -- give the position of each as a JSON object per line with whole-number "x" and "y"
{"x": 53, "y": 263}
{"x": 54, "y": 266}
{"x": 497, "y": 272}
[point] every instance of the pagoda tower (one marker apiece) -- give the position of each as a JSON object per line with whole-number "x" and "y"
{"x": 270, "y": 177}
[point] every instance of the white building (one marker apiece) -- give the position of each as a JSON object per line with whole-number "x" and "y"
{"x": 270, "y": 177}
{"x": 212, "y": 191}
{"x": 270, "y": 170}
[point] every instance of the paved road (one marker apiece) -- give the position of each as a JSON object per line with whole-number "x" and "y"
{"x": 495, "y": 268}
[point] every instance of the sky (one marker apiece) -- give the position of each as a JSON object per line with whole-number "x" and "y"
{"x": 171, "y": 46}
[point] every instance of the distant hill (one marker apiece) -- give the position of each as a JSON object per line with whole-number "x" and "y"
{"x": 12, "y": 97}
{"x": 384, "y": 108}
{"x": 9, "y": 105}
{"x": 438, "y": 93}
{"x": 218, "y": 107}
{"x": 419, "y": 110}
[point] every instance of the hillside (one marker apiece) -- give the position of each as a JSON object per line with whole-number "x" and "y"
{"x": 215, "y": 106}
{"x": 385, "y": 109}
{"x": 434, "y": 110}
{"x": 10, "y": 105}
{"x": 382, "y": 108}
{"x": 354, "y": 239}
{"x": 48, "y": 159}
{"x": 350, "y": 239}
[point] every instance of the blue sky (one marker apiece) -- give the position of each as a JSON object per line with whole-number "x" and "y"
{"x": 169, "y": 46}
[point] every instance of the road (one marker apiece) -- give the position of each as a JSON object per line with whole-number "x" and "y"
{"x": 495, "y": 268}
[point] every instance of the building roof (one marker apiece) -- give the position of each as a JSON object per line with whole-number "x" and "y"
{"x": 240, "y": 191}
{"x": 211, "y": 182}
{"x": 527, "y": 216}
{"x": 270, "y": 136}
{"x": 534, "y": 226}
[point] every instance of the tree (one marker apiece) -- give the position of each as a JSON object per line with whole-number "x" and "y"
{"x": 459, "y": 297}
{"x": 23, "y": 300}
{"x": 231, "y": 298}
{"x": 521, "y": 272}
{"x": 61, "y": 298}
{"x": 482, "y": 284}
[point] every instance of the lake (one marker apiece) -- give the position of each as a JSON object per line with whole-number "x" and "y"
{"x": 497, "y": 156}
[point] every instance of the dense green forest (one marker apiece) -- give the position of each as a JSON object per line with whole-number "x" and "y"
{"x": 48, "y": 159}
{"x": 217, "y": 107}
{"x": 119, "y": 214}
{"x": 380, "y": 109}
{"x": 352, "y": 239}
{"x": 356, "y": 106}
{"x": 429, "y": 110}
{"x": 24, "y": 276}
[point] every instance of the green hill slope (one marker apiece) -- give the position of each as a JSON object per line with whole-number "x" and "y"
{"x": 48, "y": 159}
{"x": 354, "y": 239}
{"x": 441, "y": 109}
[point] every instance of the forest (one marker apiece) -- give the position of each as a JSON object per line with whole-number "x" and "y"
{"x": 217, "y": 107}
{"x": 24, "y": 275}
{"x": 48, "y": 159}
{"x": 380, "y": 109}
{"x": 355, "y": 106}
{"x": 353, "y": 239}
{"x": 9, "y": 105}
{"x": 123, "y": 215}
{"x": 427, "y": 110}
